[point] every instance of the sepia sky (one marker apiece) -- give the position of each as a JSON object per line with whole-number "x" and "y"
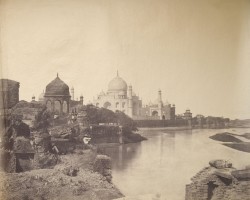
{"x": 196, "y": 51}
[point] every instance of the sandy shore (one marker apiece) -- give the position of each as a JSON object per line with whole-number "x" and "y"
{"x": 234, "y": 141}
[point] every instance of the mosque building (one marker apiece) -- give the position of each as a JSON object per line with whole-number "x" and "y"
{"x": 158, "y": 110}
{"x": 119, "y": 97}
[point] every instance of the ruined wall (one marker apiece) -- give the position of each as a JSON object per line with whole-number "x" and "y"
{"x": 213, "y": 183}
{"x": 9, "y": 93}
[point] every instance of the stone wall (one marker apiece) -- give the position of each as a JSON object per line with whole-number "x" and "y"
{"x": 161, "y": 123}
{"x": 218, "y": 183}
{"x": 9, "y": 93}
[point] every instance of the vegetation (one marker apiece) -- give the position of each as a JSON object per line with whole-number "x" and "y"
{"x": 102, "y": 115}
{"x": 42, "y": 120}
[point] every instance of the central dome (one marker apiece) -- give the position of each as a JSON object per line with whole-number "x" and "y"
{"x": 117, "y": 84}
{"x": 57, "y": 88}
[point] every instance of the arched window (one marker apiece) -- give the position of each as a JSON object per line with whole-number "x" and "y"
{"x": 65, "y": 107}
{"x": 155, "y": 113}
{"x": 49, "y": 105}
{"x": 57, "y": 107}
{"x": 117, "y": 104}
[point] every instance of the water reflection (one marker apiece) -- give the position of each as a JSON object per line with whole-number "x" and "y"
{"x": 165, "y": 162}
{"x": 122, "y": 155}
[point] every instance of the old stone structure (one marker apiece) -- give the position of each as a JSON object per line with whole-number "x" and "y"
{"x": 9, "y": 93}
{"x": 9, "y": 97}
{"x": 219, "y": 181}
{"x": 57, "y": 96}
{"x": 119, "y": 97}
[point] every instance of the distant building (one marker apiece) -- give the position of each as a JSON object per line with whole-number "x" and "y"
{"x": 119, "y": 97}
{"x": 187, "y": 115}
{"x": 158, "y": 110}
{"x": 41, "y": 97}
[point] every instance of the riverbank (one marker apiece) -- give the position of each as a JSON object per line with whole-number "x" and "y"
{"x": 73, "y": 177}
{"x": 166, "y": 128}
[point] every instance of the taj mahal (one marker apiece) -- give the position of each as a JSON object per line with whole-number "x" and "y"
{"x": 121, "y": 97}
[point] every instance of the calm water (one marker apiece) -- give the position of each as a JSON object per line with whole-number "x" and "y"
{"x": 165, "y": 162}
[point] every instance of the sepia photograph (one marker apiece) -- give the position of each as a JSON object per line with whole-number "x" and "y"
{"x": 125, "y": 99}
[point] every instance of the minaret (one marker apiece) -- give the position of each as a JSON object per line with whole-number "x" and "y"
{"x": 72, "y": 93}
{"x": 160, "y": 104}
{"x": 81, "y": 100}
{"x": 33, "y": 98}
{"x": 130, "y": 101}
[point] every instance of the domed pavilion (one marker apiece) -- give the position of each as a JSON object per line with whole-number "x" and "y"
{"x": 119, "y": 96}
{"x": 57, "y": 96}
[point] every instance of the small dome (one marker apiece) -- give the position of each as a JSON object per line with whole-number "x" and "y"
{"x": 57, "y": 88}
{"x": 41, "y": 96}
{"x": 102, "y": 93}
{"x": 117, "y": 84}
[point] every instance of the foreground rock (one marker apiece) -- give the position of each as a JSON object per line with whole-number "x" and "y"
{"x": 73, "y": 178}
{"x": 219, "y": 181}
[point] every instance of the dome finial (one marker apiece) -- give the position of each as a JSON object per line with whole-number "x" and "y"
{"x": 117, "y": 73}
{"x": 57, "y": 74}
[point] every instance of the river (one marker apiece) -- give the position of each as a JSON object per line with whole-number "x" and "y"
{"x": 165, "y": 162}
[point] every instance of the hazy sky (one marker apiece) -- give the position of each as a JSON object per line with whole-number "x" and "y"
{"x": 196, "y": 51}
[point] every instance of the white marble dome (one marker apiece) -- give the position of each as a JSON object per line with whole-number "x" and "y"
{"x": 117, "y": 84}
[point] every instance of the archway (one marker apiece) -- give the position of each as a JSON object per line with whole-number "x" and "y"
{"x": 65, "y": 107}
{"x": 107, "y": 105}
{"x": 155, "y": 113}
{"x": 49, "y": 105}
{"x": 163, "y": 117}
{"x": 57, "y": 107}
